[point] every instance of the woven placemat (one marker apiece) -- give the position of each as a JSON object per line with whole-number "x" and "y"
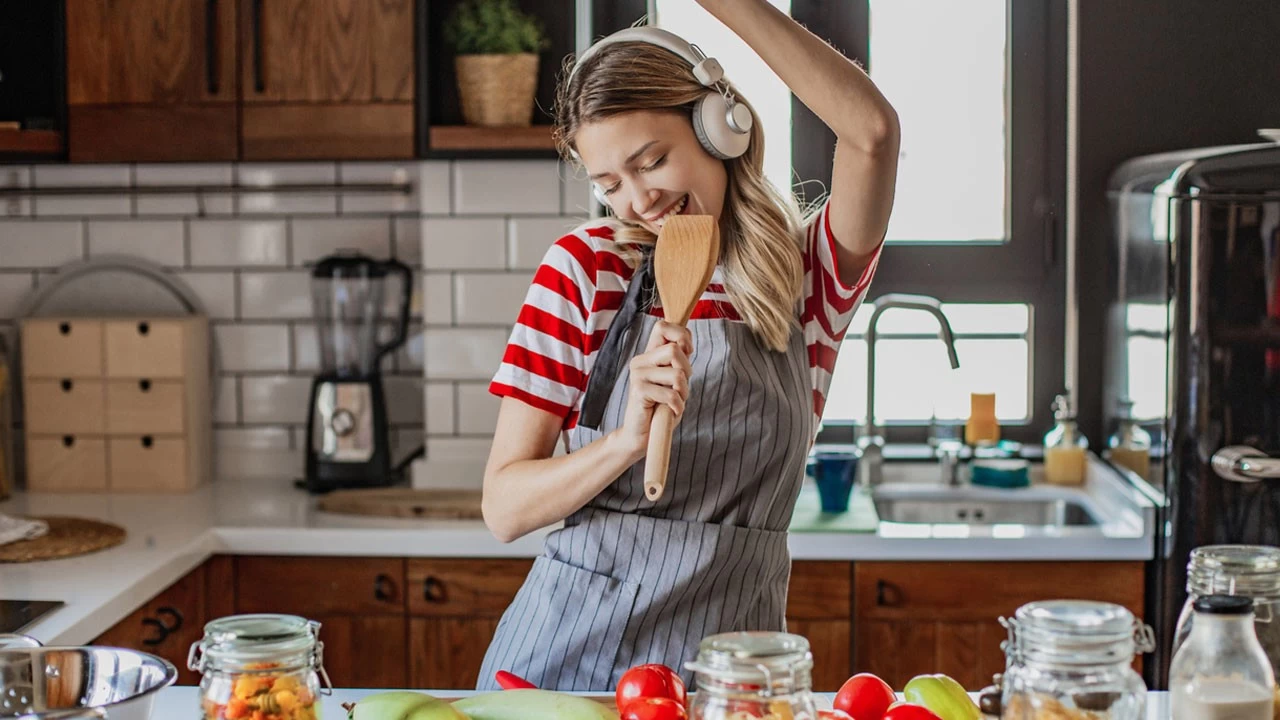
{"x": 67, "y": 537}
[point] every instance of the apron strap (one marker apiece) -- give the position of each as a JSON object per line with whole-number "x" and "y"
{"x": 619, "y": 344}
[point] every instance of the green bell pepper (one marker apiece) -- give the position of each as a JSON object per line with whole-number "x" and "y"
{"x": 944, "y": 696}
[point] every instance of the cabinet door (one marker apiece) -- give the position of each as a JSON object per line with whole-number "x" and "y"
{"x": 364, "y": 651}
{"x": 446, "y": 652}
{"x": 327, "y": 79}
{"x": 820, "y": 608}
{"x": 922, "y": 617}
{"x": 151, "y": 80}
{"x": 316, "y": 586}
{"x": 166, "y": 625}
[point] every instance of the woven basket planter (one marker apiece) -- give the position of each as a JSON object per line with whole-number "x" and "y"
{"x": 497, "y": 90}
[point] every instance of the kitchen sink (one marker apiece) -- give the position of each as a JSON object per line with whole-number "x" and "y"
{"x": 964, "y": 506}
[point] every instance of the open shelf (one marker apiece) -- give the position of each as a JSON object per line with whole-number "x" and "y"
{"x": 466, "y": 137}
{"x": 30, "y": 142}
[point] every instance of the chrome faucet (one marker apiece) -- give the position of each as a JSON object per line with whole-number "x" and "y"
{"x": 871, "y": 442}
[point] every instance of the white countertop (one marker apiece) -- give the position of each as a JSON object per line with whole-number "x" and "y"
{"x": 177, "y": 702}
{"x": 169, "y": 535}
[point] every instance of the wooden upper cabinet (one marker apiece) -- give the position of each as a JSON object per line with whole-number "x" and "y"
{"x": 151, "y": 80}
{"x": 327, "y": 79}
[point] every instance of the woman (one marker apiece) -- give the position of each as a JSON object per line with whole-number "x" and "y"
{"x": 628, "y": 581}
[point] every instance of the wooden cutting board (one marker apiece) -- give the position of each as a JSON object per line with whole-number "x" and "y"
{"x": 405, "y": 503}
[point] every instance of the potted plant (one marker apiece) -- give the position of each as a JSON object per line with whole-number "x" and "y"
{"x": 496, "y": 61}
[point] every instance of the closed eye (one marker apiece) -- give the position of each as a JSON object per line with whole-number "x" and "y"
{"x": 654, "y": 165}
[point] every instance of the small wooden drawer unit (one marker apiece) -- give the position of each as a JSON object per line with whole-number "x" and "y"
{"x": 117, "y": 404}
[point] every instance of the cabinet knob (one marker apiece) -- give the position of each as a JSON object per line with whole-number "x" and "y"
{"x": 175, "y": 618}
{"x": 384, "y": 588}
{"x": 68, "y": 440}
{"x": 147, "y": 441}
{"x": 433, "y": 590}
{"x": 144, "y": 328}
{"x": 161, "y": 631}
{"x": 144, "y": 385}
{"x": 67, "y": 385}
{"x": 887, "y": 594}
{"x": 64, "y": 328}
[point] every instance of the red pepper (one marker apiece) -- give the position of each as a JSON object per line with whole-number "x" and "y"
{"x": 509, "y": 681}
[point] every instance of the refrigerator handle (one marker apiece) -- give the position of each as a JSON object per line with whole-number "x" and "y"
{"x": 1242, "y": 463}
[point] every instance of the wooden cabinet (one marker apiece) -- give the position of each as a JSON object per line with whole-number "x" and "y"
{"x": 327, "y": 79}
{"x": 820, "y": 607}
{"x": 929, "y": 617}
{"x": 454, "y": 608}
{"x": 168, "y": 624}
{"x": 151, "y": 80}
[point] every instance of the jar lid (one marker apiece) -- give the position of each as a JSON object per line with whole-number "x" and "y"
{"x": 244, "y": 639}
{"x": 1223, "y": 605}
{"x": 1249, "y": 570}
{"x": 1076, "y": 632}
{"x": 773, "y": 661}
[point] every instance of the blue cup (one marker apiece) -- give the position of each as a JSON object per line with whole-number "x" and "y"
{"x": 835, "y": 474}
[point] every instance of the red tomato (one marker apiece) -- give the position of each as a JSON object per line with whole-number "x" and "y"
{"x": 654, "y": 708}
{"x": 865, "y": 697}
{"x": 909, "y": 711}
{"x": 650, "y": 681}
{"x": 834, "y": 715}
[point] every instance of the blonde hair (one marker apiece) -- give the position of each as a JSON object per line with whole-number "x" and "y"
{"x": 761, "y": 228}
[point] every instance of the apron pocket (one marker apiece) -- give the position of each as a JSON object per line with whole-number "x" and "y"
{"x": 569, "y": 626}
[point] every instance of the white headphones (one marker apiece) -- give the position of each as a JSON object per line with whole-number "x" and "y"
{"x": 722, "y": 126}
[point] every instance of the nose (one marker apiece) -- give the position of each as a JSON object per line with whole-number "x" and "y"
{"x": 642, "y": 200}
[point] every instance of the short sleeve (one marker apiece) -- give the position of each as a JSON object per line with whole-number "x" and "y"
{"x": 545, "y": 362}
{"x": 829, "y": 304}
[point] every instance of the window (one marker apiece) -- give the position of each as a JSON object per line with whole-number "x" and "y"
{"x": 976, "y": 218}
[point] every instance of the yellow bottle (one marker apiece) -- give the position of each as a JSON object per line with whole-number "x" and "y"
{"x": 1064, "y": 447}
{"x": 982, "y": 427}
{"x": 1131, "y": 445}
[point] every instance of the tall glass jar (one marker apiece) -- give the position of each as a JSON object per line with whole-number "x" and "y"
{"x": 1073, "y": 659}
{"x": 258, "y": 666}
{"x": 766, "y": 674}
{"x": 1252, "y": 571}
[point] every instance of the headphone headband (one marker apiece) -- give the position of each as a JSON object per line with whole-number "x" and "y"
{"x": 653, "y": 36}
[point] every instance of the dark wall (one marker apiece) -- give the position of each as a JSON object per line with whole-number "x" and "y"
{"x": 1158, "y": 75}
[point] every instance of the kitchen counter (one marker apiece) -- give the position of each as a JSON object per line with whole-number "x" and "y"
{"x": 169, "y": 535}
{"x": 176, "y": 702}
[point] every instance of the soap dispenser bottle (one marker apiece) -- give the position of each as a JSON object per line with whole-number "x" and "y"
{"x": 1130, "y": 446}
{"x": 1064, "y": 447}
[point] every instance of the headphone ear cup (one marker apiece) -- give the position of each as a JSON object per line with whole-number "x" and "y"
{"x": 711, "y": 126}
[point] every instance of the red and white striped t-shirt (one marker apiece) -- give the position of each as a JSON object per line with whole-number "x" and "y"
{"x": 580, "y": 285}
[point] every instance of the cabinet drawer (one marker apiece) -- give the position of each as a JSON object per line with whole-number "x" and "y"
{"x": 145, "y": 406}
{"x": 67, "y": 463}
{"x": 312, "y": 586}
{"x": 70, "y": 406}
{"x": 145, "y": 348}
{"x": 820, "y": 590}
{"x": 474, "y": 588}
{"x": 62, "y": 348}
{"x": 148, "y": 463}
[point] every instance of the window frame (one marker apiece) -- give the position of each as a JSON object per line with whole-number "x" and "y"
{"x": 1030, "y": 266}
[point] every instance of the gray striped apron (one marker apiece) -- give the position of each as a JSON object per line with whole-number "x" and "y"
{"x": 627, "y": 581}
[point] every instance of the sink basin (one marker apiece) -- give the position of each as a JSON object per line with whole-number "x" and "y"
{"x": 970, "y": 507}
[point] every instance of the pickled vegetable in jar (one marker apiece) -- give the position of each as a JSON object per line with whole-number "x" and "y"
{"x": 260, "y": 667}
{"x": 753, "y": 676}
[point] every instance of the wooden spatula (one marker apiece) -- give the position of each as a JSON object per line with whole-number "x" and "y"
{"x": 684, "y": 258}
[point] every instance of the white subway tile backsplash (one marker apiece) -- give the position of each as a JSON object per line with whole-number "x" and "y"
{"x": 252, "y": 438}
{"x": 14, "y": 289}
{"x": 15, "y": 176}
{"x": 437, "y": 298}
{"x": 82, "y": 175}
{"x": 463, "y": 243}
{"x": 293, "y": 203}
{"x": 40, "y": 244}
{"x": 409, "y": 356}
{"x": 226, "y": 400}
{"x": 160, "y": 241}
{"x": 268, "y": 174}
{"x": 80, "y": 205}
{"x": 314, "y": 239}
{"x": 201, "y": 205}
{"x": 275, "y": 295}
{"x": 214, "y": 174}
{"x": 235, "y": 243}
{"x": 205, "y": 175}
{"x": 253, "y": 347}
{"x": 477, "y": 409}
{"x": 354, "y": 201}
{"x": 408, "y": 244}
{"x": 270, "y": 464}
{"x": 490, "y": 298}
{"x": 456, "y": 462}
{"x": 506, "y": 186}
{"x": 404, "y": 399}
{"x": 439, "y": 409}
{"x": 306, "y": 348}
{"x": 289, "y": 173}
{"x": 528, "y": 239}
{"x": 434, "y": 192}
{"x": 216, "y": 291}
{"x": 577, "y": 199}
{"x": 275, "y": 398}
{"x": 463, "y": 354}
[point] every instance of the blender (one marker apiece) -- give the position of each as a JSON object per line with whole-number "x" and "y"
{"x": 347, "y": 435}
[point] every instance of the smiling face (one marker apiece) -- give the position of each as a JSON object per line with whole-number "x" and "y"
{"x": 649, "y": 165}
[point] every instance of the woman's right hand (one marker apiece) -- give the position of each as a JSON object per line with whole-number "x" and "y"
{"x": 659, "y": 376}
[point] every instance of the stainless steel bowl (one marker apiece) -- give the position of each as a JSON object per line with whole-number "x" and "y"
{"x": 48, "y": 683}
